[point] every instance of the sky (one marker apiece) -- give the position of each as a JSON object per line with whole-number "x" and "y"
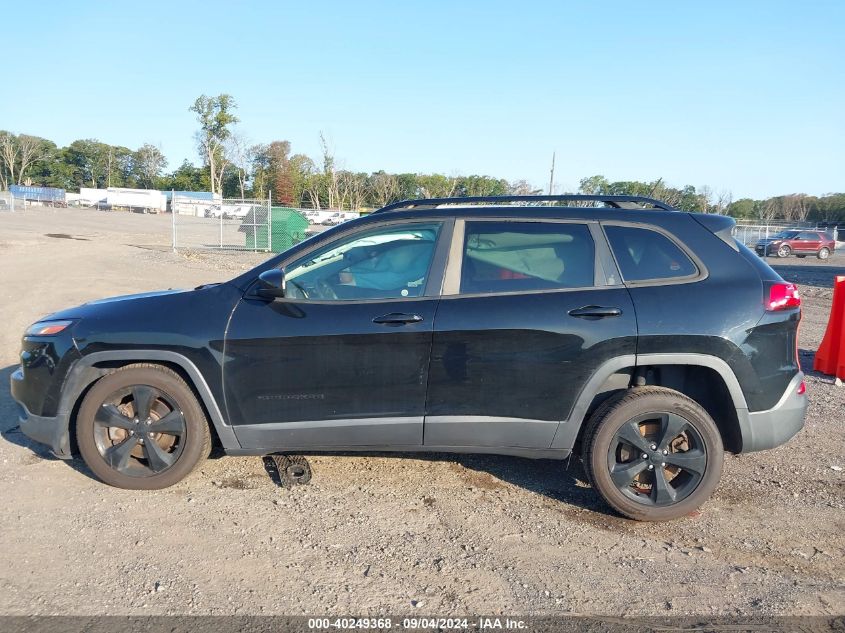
{"x": 744, "y": 96}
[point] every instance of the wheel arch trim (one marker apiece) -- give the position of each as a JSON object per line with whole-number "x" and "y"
{"x": 568, "y": 430}
{"x": 79, "y": 378}
{"x": 700, "y": 360}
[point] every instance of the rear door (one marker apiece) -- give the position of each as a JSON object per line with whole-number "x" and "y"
{"x": 530, "y": 309}
{"x": 810, "y": 242}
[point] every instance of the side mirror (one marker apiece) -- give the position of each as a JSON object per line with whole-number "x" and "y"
{"x": 271, "y": 283}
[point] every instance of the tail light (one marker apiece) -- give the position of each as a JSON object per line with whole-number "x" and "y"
{"x": 783, "y": 296}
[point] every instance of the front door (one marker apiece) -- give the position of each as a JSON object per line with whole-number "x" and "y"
{"x": 519, "y": 331}
{"x": 342, "y": 359}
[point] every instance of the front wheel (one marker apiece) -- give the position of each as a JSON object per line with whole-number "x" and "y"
{"x": 142, "y": 428}
{"x": 784, "y": 251}
{"x": 823, "y": 253}
{"x": 653, "y": 454}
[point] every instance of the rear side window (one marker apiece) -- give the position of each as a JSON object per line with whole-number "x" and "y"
{"x": 644, "y": 255}
{"x": 809, "y": 236}
{"x": 526, "y": 256}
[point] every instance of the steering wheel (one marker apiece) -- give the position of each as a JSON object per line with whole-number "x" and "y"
{"x": 325, "y": 290}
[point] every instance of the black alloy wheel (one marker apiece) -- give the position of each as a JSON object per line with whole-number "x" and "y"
{"x": 652, "y": 453}
{"x": 141, "y": 427}
{"x": 138, "y": 431}
{"x": 657, "y": 459}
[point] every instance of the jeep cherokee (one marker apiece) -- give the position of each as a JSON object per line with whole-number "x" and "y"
{"x": 644, "y": 339}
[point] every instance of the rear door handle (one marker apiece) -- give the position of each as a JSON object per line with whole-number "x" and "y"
{"x": 595, "y": 312}
{"x": 397, "y": 318}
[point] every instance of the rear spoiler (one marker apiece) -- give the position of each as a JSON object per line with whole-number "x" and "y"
{"x": 720, "y": 225}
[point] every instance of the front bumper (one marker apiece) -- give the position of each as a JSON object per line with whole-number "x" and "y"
{"x": 52, "y": 431}
{"x": 773, "y": 427}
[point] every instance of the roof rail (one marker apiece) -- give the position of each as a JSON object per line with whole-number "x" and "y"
{"x": 617, "y": 202}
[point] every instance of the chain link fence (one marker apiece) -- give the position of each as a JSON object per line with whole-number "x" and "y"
{"x": 7, "y": 201}
{"x": 221, "y": 224}
{"x": 750, "y": 234}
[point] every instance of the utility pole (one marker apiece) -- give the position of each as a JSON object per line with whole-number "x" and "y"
{"x": 552, "y": 176}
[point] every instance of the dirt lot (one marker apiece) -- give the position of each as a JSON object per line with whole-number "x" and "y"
{"x": 432, "y": 535}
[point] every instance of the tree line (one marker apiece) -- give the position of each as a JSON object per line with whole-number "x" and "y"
{"x": 237, "y": 168}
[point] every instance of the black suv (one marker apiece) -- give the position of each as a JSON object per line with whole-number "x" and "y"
{"x": 644, "y": 339}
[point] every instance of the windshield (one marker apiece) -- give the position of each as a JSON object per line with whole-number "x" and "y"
{"x": 786, "y": 234}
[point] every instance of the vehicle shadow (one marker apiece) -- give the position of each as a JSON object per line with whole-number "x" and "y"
{"x": 561, "y": 481}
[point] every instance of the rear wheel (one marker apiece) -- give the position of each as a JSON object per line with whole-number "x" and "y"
{"x": 653, "y": 454}
{"x": 784, "y": 250}
{"x": 142, "y": 428}
{"x": 823, "y": 253}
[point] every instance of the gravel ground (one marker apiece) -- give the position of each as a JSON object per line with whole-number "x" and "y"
{"x": 437, "y": 535}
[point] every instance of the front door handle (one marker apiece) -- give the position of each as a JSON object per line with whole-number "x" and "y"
{"x": 397, "y": 318}
{"x": 595, "y": 312}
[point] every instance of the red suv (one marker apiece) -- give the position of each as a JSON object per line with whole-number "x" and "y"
{"x": 798, "y": 243}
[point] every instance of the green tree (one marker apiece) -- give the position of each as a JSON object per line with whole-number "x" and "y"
{"x": 594, "y": 185}
{"x": 302, "y": 170}
{"x": 744, "y": 209}
{"x": 481, "y": 186}
{"x": 436, "y": 186}
{"x": 214, "y": 114}
{"x": 187, "y": 177}
{"x": 88, "y": 160}
{"x": 147, "y": 165}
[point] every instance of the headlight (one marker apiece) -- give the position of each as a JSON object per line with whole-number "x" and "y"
{"x": 47, "y": 328}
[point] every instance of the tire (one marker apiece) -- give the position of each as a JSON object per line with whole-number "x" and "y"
{"x": 823, "y": 253}
{"x": 609, "y": 458}
{"x": 784, "y": 250}
{"x": 126, "y": 448}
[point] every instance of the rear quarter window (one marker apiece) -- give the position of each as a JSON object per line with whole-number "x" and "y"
{"x": 646, "y": 255}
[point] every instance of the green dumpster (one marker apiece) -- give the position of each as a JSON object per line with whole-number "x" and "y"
{"x": 287, "y": 227}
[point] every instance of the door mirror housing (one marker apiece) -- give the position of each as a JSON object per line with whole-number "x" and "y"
{"x": 271, "y": 283}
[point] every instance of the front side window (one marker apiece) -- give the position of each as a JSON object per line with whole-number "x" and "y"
{"x": 645, "y": 255}
{"x": 385, "y": 263}
{"x": 526, "y": 256}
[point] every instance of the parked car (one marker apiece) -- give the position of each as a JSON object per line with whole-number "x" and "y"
{"x": 238, "y": 211}
{"x": 643, "y": 339}
{"x": 214, "y": 211}
{"x": 334, "y": 219}
{"x": 228, "y": 211}
{"x": 798, "y": 242}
